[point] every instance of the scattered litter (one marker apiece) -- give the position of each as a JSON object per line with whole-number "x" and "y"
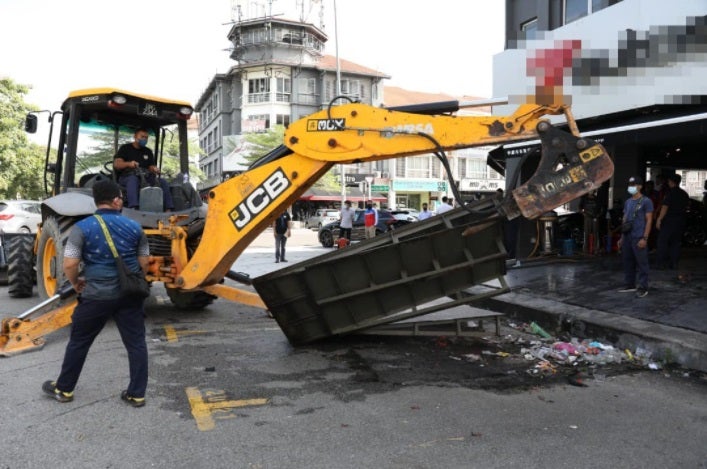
{"x": 574, "y": 427}
{"x": 539, "y": 330}
{"x": 654, "y": 366}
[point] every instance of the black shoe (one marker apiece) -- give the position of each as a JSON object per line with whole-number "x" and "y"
{"x": 133, "y": 401}
{"x": 284, "y": 260}
{"x": 49, "y": 387}
{"x": 641, "y": 292}
{"x": 627, "y": 289}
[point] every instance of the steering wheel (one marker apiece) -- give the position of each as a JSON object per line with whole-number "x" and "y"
{"x": 107, "y": 169}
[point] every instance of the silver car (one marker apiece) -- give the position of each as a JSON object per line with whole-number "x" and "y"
{"x": 20, "y": 216}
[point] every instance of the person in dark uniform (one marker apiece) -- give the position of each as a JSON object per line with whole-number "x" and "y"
{"x": 281, "y": 229}
{"x": 671, "y": 223}
{"x": 135, "y": 155}
{"x": 638, "y": 215}
{"x": 99, "y": 293}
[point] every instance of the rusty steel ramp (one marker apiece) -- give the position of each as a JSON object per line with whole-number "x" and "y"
{"x": 386, "y": 279}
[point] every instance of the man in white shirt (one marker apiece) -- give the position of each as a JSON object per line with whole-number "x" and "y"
{"x": 444, "y": 206}
{"x": 424, "y": 214}
{"x": 346, "y": 221}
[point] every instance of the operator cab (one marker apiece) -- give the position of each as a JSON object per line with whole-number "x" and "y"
{"x": 96, "y": 122}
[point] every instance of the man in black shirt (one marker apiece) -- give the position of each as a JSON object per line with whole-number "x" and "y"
{"x": 137, "y": 155}
{"x": 671, "y": 223}
{"x": 281, "y": 229}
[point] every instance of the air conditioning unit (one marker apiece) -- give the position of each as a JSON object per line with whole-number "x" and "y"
{"x": 385, "y": 175}
{"x": 378, "y": 174}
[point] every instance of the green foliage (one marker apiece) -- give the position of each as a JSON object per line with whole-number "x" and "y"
{"x": 261, "y": 143}
{"x": 21, "y": 162}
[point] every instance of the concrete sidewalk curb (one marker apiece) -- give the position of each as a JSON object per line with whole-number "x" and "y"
{"x": 685, "y": 347}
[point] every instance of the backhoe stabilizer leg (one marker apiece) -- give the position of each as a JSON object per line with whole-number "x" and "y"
{"x": 569, "y": 167}
{"x": 22, "y": 335}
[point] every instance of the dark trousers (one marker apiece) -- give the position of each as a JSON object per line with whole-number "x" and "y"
{"x": 635, "y": 260}
{"x": 345, "y": 233}
{"x": 87, "y": 321}
{"x": 132, "y": 189}
{"x": 280, "y": 242}
{"x": 669, "y": 243}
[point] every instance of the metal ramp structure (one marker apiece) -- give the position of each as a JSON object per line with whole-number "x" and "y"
{"x": 392, "y": 277}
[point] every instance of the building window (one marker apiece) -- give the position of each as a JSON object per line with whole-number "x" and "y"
{"x": 418, "y": 166}
{"x": 576, "y": 9}
{"x": 351, "y": 88}
{"x": 476, "y": 168}
{"x": 284, "y": 89}
{"x": 282, "y": 119}
{"x": 530, "y": 29}
{"x": 259, "y": 90}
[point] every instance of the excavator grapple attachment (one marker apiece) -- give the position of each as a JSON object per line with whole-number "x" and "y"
{"x": 393, "y": 277}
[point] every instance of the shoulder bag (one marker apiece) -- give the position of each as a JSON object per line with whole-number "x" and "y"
{"x": 131, "y": 283}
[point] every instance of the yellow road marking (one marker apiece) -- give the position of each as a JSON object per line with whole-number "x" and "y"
{"x": 203, "y": 409}
{"x": 173, "y": 335}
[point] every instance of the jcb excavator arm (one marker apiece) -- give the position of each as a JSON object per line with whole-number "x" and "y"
{"x": 242, "y": 207}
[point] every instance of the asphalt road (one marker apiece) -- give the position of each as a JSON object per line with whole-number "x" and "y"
{"x": 227, "y": 390}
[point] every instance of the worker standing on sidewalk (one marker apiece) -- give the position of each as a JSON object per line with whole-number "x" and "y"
{"x": 281, "y": 227}
{"x": 636, "y": 227}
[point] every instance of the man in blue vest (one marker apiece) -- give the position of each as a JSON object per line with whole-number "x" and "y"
{"x": 100, "y": 296}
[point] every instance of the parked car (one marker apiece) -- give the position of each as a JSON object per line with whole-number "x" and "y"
{"x": 20, "y": 216}
{"x": 406, "y": 214}
{"x": 321, "y": 217}
{"x": 328, "y": 234}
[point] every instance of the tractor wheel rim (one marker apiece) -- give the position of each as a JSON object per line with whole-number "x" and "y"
{"x": 49, "y": 267}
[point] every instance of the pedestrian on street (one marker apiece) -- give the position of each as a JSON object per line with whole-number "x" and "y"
{"x": 370, "y": 220}
{"x": 444, "y": 206}
{"x": 348, "y": 215}
{"x": 424, "y": 214}
{"x": 638, "y": 212}
{"x": 99, "y": 293}
{"x": 281, "y": 230}
{"x": 671, "y": 223}
{"x": 592, "y": 210}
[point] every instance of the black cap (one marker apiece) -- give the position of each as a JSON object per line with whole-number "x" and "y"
{"x": 633, "y": 180}
{"x": 105, "y": 191}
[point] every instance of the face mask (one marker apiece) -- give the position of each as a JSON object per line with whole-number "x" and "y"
{"x": 142, "y": 142}
{"x": 632, "y": 190}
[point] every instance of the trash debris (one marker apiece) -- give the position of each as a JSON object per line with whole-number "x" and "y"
{"x": 539, "y": 330}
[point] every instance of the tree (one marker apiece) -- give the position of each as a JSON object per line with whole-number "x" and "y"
{"x": 261, "y": 143}
{"x": 21, "y": 162}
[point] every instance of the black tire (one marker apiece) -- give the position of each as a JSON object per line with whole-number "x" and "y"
{"x": 326, "y": 238}
{"x": 20, "y": 262}
{"x": 694, "y": 236}
{"x": 50, "y": 255}
{"x": 189, "y": 300}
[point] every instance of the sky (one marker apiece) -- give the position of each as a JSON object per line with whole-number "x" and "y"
{"x": 172, "y": 48}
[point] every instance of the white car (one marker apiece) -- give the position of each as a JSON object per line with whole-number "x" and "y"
{"x": 321, "y": 218}
{"x": 20, "y": 216}
{"x": 406, "y": 214}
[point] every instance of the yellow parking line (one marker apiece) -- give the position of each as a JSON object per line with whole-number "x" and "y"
{"x": 173, "y": 335}
{"x": 202, "y": 410}
{"x": 170, "y": 333}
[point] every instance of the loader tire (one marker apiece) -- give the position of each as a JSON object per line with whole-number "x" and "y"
{"x": 50, "y": 255}
{"x": 20, "y": 262}
{"x": 189, "y": 300}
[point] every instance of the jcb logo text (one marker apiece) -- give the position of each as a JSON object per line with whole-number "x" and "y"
{"x": 259, "y": 199}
